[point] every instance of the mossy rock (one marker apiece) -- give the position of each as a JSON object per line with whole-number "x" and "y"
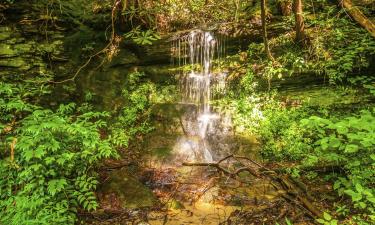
{"x": 5, "y": 33}
{"x": 14, "y": 62}
{"x": 159, "y": 74}
{"x": 23, "y": 48}
{"x": 54, "y": 47}
{"x": 175, "y": 205}
{"x": 129, "y": 191}
{"x": 7, "y": 51}
{"x": 124, "y": 58}
{"x": 162, "y": 152}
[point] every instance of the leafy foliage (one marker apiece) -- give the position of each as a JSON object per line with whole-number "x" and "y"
{"x": 347, "y": 142}
{"x": 142, "y": 37}
{"x": 348, "y": 47}
{"x": 337, "y": 49}
{"x": 48, "y": 169}
{"x": 134, "y": 118}
{"x": 9, "y": 1}
{"x": 327, "y": 220}
{"x": 174, "y": 15}
{"x": 49, "y": 172}
{"x": 307, "y": 136}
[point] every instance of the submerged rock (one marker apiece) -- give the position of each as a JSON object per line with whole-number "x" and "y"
{"x": 175, "y": 205}
{"x": 123, "y": 191}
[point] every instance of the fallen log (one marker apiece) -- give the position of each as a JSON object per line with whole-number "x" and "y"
{"x": 358, "y": 16}
{"x": 114, "y": 165}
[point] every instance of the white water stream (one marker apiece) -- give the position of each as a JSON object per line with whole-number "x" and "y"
{"x": 199, "y": 83}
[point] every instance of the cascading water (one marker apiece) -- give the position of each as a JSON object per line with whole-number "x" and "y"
{"x": 199, "y": 83}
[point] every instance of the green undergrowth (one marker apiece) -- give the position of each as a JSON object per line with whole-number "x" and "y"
{"x": 336, "y": 50}
{"x": 134, "y": 117}
{"x": 313, "y": 136}
{"x": 50, "y": 157}
{"x": 47, "y": 168}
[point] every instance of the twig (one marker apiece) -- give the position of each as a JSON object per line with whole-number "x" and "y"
{"x": 292, "y": 190}
{"x": 116, "y": 4}
{"x": 215, "y": 165}
{"x": 12, "y": 147}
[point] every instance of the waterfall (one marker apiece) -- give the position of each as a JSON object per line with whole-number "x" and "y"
{"x": 199, "y": 84}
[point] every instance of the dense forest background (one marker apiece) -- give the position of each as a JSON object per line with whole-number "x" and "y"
{"x": 82, "y": 83}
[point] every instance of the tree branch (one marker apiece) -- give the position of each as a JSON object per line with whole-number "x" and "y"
{"x": 359, "y": 16}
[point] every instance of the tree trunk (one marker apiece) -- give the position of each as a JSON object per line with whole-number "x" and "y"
{"x": 264, "y": 28}
{"x": 359, "y": 16}
{"x": 237, "y": 4}
{"x": 300, "y": 24}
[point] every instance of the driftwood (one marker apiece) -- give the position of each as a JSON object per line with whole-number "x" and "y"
{"x": 293, "y": 190}
{"x": 358, "y": 16}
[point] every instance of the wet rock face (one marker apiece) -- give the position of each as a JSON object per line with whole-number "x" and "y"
{"x": 36, "y": 44}
{"x": 220, "y": 138}
{"x": 23, "y": 54}
{"x": 175, "y": 141}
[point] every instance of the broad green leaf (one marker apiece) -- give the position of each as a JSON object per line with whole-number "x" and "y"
{"x": 358, "y": 187}
{"x": 351, "y": 148}
{"x": 334, "y": 142}
{"x": 326, "y": 216}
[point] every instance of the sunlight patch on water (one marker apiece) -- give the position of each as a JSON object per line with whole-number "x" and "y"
{"x": 192, "y": 148}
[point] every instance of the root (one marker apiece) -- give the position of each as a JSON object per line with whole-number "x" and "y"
{"x": 224, "y": 170}
{"x": 294, "y": 191}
